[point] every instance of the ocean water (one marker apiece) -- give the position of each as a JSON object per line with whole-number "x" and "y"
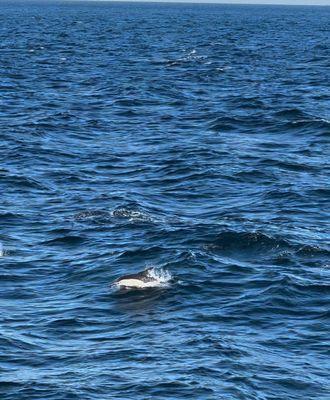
{"x": 190, "y": 138}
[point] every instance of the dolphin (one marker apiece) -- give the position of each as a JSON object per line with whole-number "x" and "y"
{"x": 141, "y": 279}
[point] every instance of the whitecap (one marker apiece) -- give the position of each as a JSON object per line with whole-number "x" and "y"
{"x": 132, "y": 215}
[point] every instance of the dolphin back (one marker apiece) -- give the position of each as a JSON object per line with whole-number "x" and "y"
{"x": 143, "y": 276}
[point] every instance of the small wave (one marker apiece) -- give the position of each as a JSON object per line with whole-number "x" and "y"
{"x": 132, "y": 215}
{"x": 290, "y": 113}
{"x": 65, "y": 322}
{"x": 258, "y": 244}
{"x": 289, "y": 165}
{"x": 231, "y": 240}
{"x": 305, "y": 120}
{"x": 297, "y": 116}
{"x": 22, "y": 181}
{"x": 68, "y": 240}
{"x": 4, "y": 251}
{"x": 318, "y": 125}
{"x": 313, "y": 250}
{"x": 92, "y": 215}
{"x": 16, "y": 341}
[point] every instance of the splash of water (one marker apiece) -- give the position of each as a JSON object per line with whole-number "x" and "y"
{"x": 132, "y": 215}
{"x": 159, "y": 275}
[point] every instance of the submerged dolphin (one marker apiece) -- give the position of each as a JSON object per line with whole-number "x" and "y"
{"x": 139, "y": 280}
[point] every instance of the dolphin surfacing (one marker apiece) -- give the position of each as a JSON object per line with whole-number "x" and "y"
{"x": 149, "y": 278}
{"x": 141, "y": 279}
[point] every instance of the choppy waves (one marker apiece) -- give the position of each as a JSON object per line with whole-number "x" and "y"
{"x": 186, "y": 137}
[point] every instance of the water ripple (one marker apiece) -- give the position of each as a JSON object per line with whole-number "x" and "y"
{"x": 188, "y": 138}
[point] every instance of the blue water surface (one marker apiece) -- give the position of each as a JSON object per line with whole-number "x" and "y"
{"x": 194, "y": 138}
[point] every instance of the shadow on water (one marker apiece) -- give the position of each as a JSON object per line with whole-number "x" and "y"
{"x": 138, "y": 301}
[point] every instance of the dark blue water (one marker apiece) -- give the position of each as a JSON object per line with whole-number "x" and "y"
{"x": 188, "y": 137}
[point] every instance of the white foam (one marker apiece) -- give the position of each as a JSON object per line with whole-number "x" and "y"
{"x": 160, "y": 275}
{"x": 132, "y": 215}
{"x": 299, "y": 121}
